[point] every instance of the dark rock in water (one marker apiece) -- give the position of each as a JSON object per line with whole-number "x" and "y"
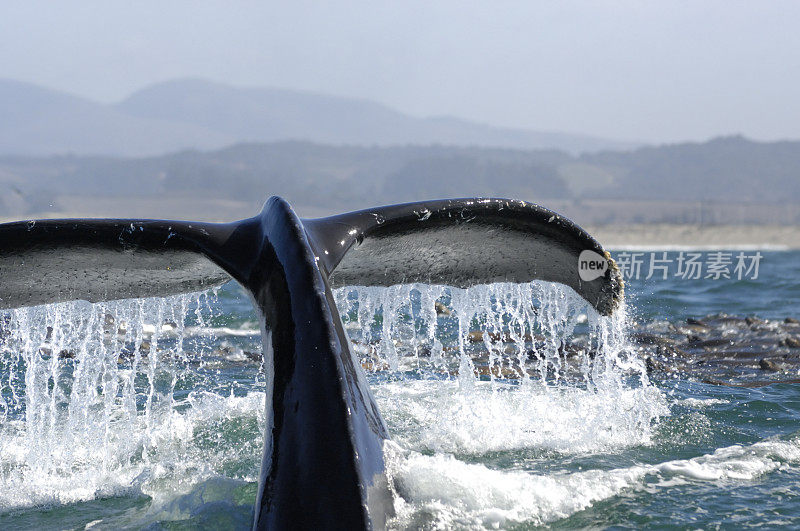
{"x": 739, "y": 356}
{"x": 697, "y": 342}
{"x": 569, "y": 351}
{"x": 655, "y": 366}
{"x": 475, "y": 336}
{"x": 424, "y": 352}
{"x": 768, "y": 365}
{"x": 712, "y": 343}
{"x": 478, "y": 336}
{"x": 692, "y": 329}
{"x": 506, "y": 373}
{"x": 533, "y": 354}
{"x": 792, "y": 342}
{"x": 750, "y": 385}
{"x": 253, "y": 356}
{"x": 724, "y": 318}
{"x": 643, "y": 338}
{"x": 728, "y": 350}
{"x": 441, "y": 309}
{"x": 374, "y": 365}
{"x": 667, "y": 351}
{"x": 63, "y": 354}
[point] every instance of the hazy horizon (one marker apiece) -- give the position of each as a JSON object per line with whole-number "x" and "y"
{"x": 311, "y": 92}
{"x": 655, "y": 72}
{"x": 635, "y": 142}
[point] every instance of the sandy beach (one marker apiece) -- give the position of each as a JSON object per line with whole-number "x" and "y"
{"x": 663, "y": 236}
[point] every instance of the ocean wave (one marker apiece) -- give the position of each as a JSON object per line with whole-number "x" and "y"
{"x": 441, "y": 492}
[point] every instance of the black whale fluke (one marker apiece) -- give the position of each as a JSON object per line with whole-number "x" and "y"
{"x": 323, "y": 461}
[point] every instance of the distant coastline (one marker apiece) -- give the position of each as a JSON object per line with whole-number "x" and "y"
{"x": 673, "y": 237}
{"x": 724, "y": 182}
{"x": 615, "y": 237}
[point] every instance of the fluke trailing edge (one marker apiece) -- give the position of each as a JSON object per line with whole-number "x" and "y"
{"x": 323, "y": 453}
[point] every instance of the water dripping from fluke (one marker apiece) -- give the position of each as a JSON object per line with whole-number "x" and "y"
{"x": 501, "y": 366}
{"x": 118, "y": 399}
{"x": 324, "y": 433}
{"x": 465, "y": 375}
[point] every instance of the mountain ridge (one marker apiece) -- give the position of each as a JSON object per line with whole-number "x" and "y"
{"x": 199, "y": 114}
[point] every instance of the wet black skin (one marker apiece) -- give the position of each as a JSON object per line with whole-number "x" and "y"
{"x": 323, "y": 465}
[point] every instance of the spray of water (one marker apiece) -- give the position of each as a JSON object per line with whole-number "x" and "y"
{"x": 146, "y": 396}
{"x": 522, "y": 371}
{"x": 524, "y": 332}
{"x": 119, "y": 398}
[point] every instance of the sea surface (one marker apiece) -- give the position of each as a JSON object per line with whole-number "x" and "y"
{"x": 510, "y": 406}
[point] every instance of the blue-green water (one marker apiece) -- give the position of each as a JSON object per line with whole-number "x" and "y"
{"x": 775, "y": 294}
{"x": 99, "y": 433}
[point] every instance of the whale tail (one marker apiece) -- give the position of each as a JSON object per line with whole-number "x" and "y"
{"x": 323, "y": 461}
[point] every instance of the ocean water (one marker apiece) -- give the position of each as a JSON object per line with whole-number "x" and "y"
{"x": 510, "y": 406}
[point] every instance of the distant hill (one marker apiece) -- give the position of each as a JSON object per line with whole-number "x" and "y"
{"x": 269, "y": 114}
{"x": 321, "y": 177}
{"x": 725, "y": 180}
{"x": 726, "y": 169}
{"x": 196, "y": 114}
{"x": 38, "y": 121}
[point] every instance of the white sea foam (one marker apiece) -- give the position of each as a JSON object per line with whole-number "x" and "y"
{"x": 598, "y": 401}
{"x": 440, "y": 492}
{"x": 516, "y": 386}
{"x": 736, "y": 462}
{"x": 221, "y": 331}
{"x": 161, "y": 460}
{"x": 531, "y": 397}
{"x": 89, "y": 423}
{"x": 439, "y": 416}
{"x": 90, "y": 409}
{"x": 701, "y": 402}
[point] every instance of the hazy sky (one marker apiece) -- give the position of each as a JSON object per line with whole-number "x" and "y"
{"x": 634, "y": 70}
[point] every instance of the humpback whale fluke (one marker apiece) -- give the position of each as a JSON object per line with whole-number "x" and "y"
{"x": 323, "y": 462}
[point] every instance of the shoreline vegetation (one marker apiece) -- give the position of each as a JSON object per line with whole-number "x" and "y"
{"x": 725, "y": 181}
